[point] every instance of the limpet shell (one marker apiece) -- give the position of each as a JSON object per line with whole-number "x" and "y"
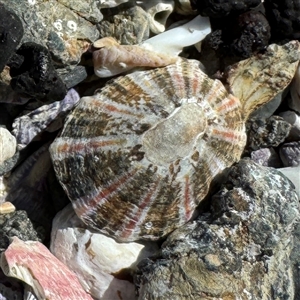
{"x": 137, "y": 158}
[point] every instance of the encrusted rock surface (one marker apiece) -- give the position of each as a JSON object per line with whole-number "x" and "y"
{"x": 17, "y": 224}
{"x": 240, "y": 251}
{"x": 262, "y": 133}
{"x": 267, "y": 157}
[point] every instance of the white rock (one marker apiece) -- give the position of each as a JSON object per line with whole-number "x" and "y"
{"x": 95, "y": 257}
{"x": 294, "y": 119}
{"x": 8, "y": 145}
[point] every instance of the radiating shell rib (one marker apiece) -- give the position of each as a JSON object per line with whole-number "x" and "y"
{"x": 137, "y": 158}
{"x": 158, "y": 11}
{"x": 112, "y": 59}
{"x": 262, "y": 77}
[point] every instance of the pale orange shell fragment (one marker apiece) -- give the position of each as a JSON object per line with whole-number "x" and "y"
{"x": 115, "y": 59}
{"x": 6, "y": 208}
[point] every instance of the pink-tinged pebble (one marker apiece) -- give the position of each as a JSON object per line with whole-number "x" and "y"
{"x": 33, "y": 263}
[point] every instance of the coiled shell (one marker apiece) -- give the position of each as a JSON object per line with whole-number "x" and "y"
{"x": 137, "y": 157}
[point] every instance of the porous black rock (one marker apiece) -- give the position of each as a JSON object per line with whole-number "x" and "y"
{"x": 222, "y": 8}
{"x": 284, "y": 18}
{"x": 241, "y": 250}
{"x": 33, "y": 74}
{"x": 11, "y": 33}
{"x": 239, "y": 37}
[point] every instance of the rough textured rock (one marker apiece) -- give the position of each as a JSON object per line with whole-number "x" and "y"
{"x": 263, "y": 133}
{"x": 17, "y": 224}
{"x": 267, "y": 157}
{"x": 33, "y": 74}
{"x": 134, "y": 32}
{"x": 240, "y": 251}
{"x": 56, "y": 26}
{"x": 102, "y": 265}
{"x": 290, "y": 154}
{"x": 32, "y": 263}
{"x": 11, "y": 33}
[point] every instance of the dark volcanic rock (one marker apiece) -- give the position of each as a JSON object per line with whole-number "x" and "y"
{"x": 240, "y": 251}
{"x": 33, "y": 74}
{"x": 11, "y": 33}
{"x": 222, "y": 8}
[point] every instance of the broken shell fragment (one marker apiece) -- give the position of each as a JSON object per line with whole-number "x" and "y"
{"x": 112, "y": 59}
{"x": 6, "y": 208}
{"x": 32, "y": 263}
{"x": 158, "y": 11}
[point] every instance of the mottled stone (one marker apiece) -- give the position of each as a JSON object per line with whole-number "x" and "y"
{"x": 29, "y": 126}
{"x": 35, "y": 74}
{"x": 17, "y": 224}
{"x": 129, "y": 26}
{"x": 294, "y": 119}
{"x": 290, "y": 154}
{"x": 8, "y": 145}
{"x": 102, "y": 265}
{"x": 264, "y": 133}
{"x": 267, "y": 157}
{"x": 60, "y": 28}
{"x": 11, "y": 33}
{"x": 239, "y": 251}
{"x": 32, "y": 263}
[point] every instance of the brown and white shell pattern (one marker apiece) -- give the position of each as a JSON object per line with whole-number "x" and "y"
{"x": 137, "y": 158}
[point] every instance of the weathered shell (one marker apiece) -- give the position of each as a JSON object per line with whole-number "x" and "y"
{"x": 137, "y": 158}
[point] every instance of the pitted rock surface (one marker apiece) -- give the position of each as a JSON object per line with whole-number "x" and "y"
{"x": 240, "y": 250}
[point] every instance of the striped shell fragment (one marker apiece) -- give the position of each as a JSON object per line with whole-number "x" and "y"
{"x": 138, "y": 157}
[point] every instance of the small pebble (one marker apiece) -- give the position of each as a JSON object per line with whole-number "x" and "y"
{"x": 294, "y": 119}
{"x": 266, "y": 157}
{"x": 6, "y": 208}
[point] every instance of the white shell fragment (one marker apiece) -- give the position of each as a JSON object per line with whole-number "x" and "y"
{"x": 8, "y": 145}
{"x": 95, "y": 257}
{"x": 112, "y": 59}
{"x": 33, "y": 263}
{"x": 172, "y": 41}
{"x": 158, "y": 11}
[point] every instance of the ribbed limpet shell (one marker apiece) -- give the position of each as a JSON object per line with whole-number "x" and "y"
{"x": 137, "y": 157}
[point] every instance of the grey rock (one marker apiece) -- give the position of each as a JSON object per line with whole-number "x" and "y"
{"x": 290, "y": 154}
{"x": 292, "y": 173}
{"x": 77, "y": 75}
{"x": 30, "y": 125}
{"x": 264, "y": 133}
{"x": 61, "y": 29}
{"x": 239, "y": 251}
{"x": 266, "y": 157}
{"x": 17, "y": 224}
{"x": 129, "y": 26}
{"x": 294, "y": 119}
